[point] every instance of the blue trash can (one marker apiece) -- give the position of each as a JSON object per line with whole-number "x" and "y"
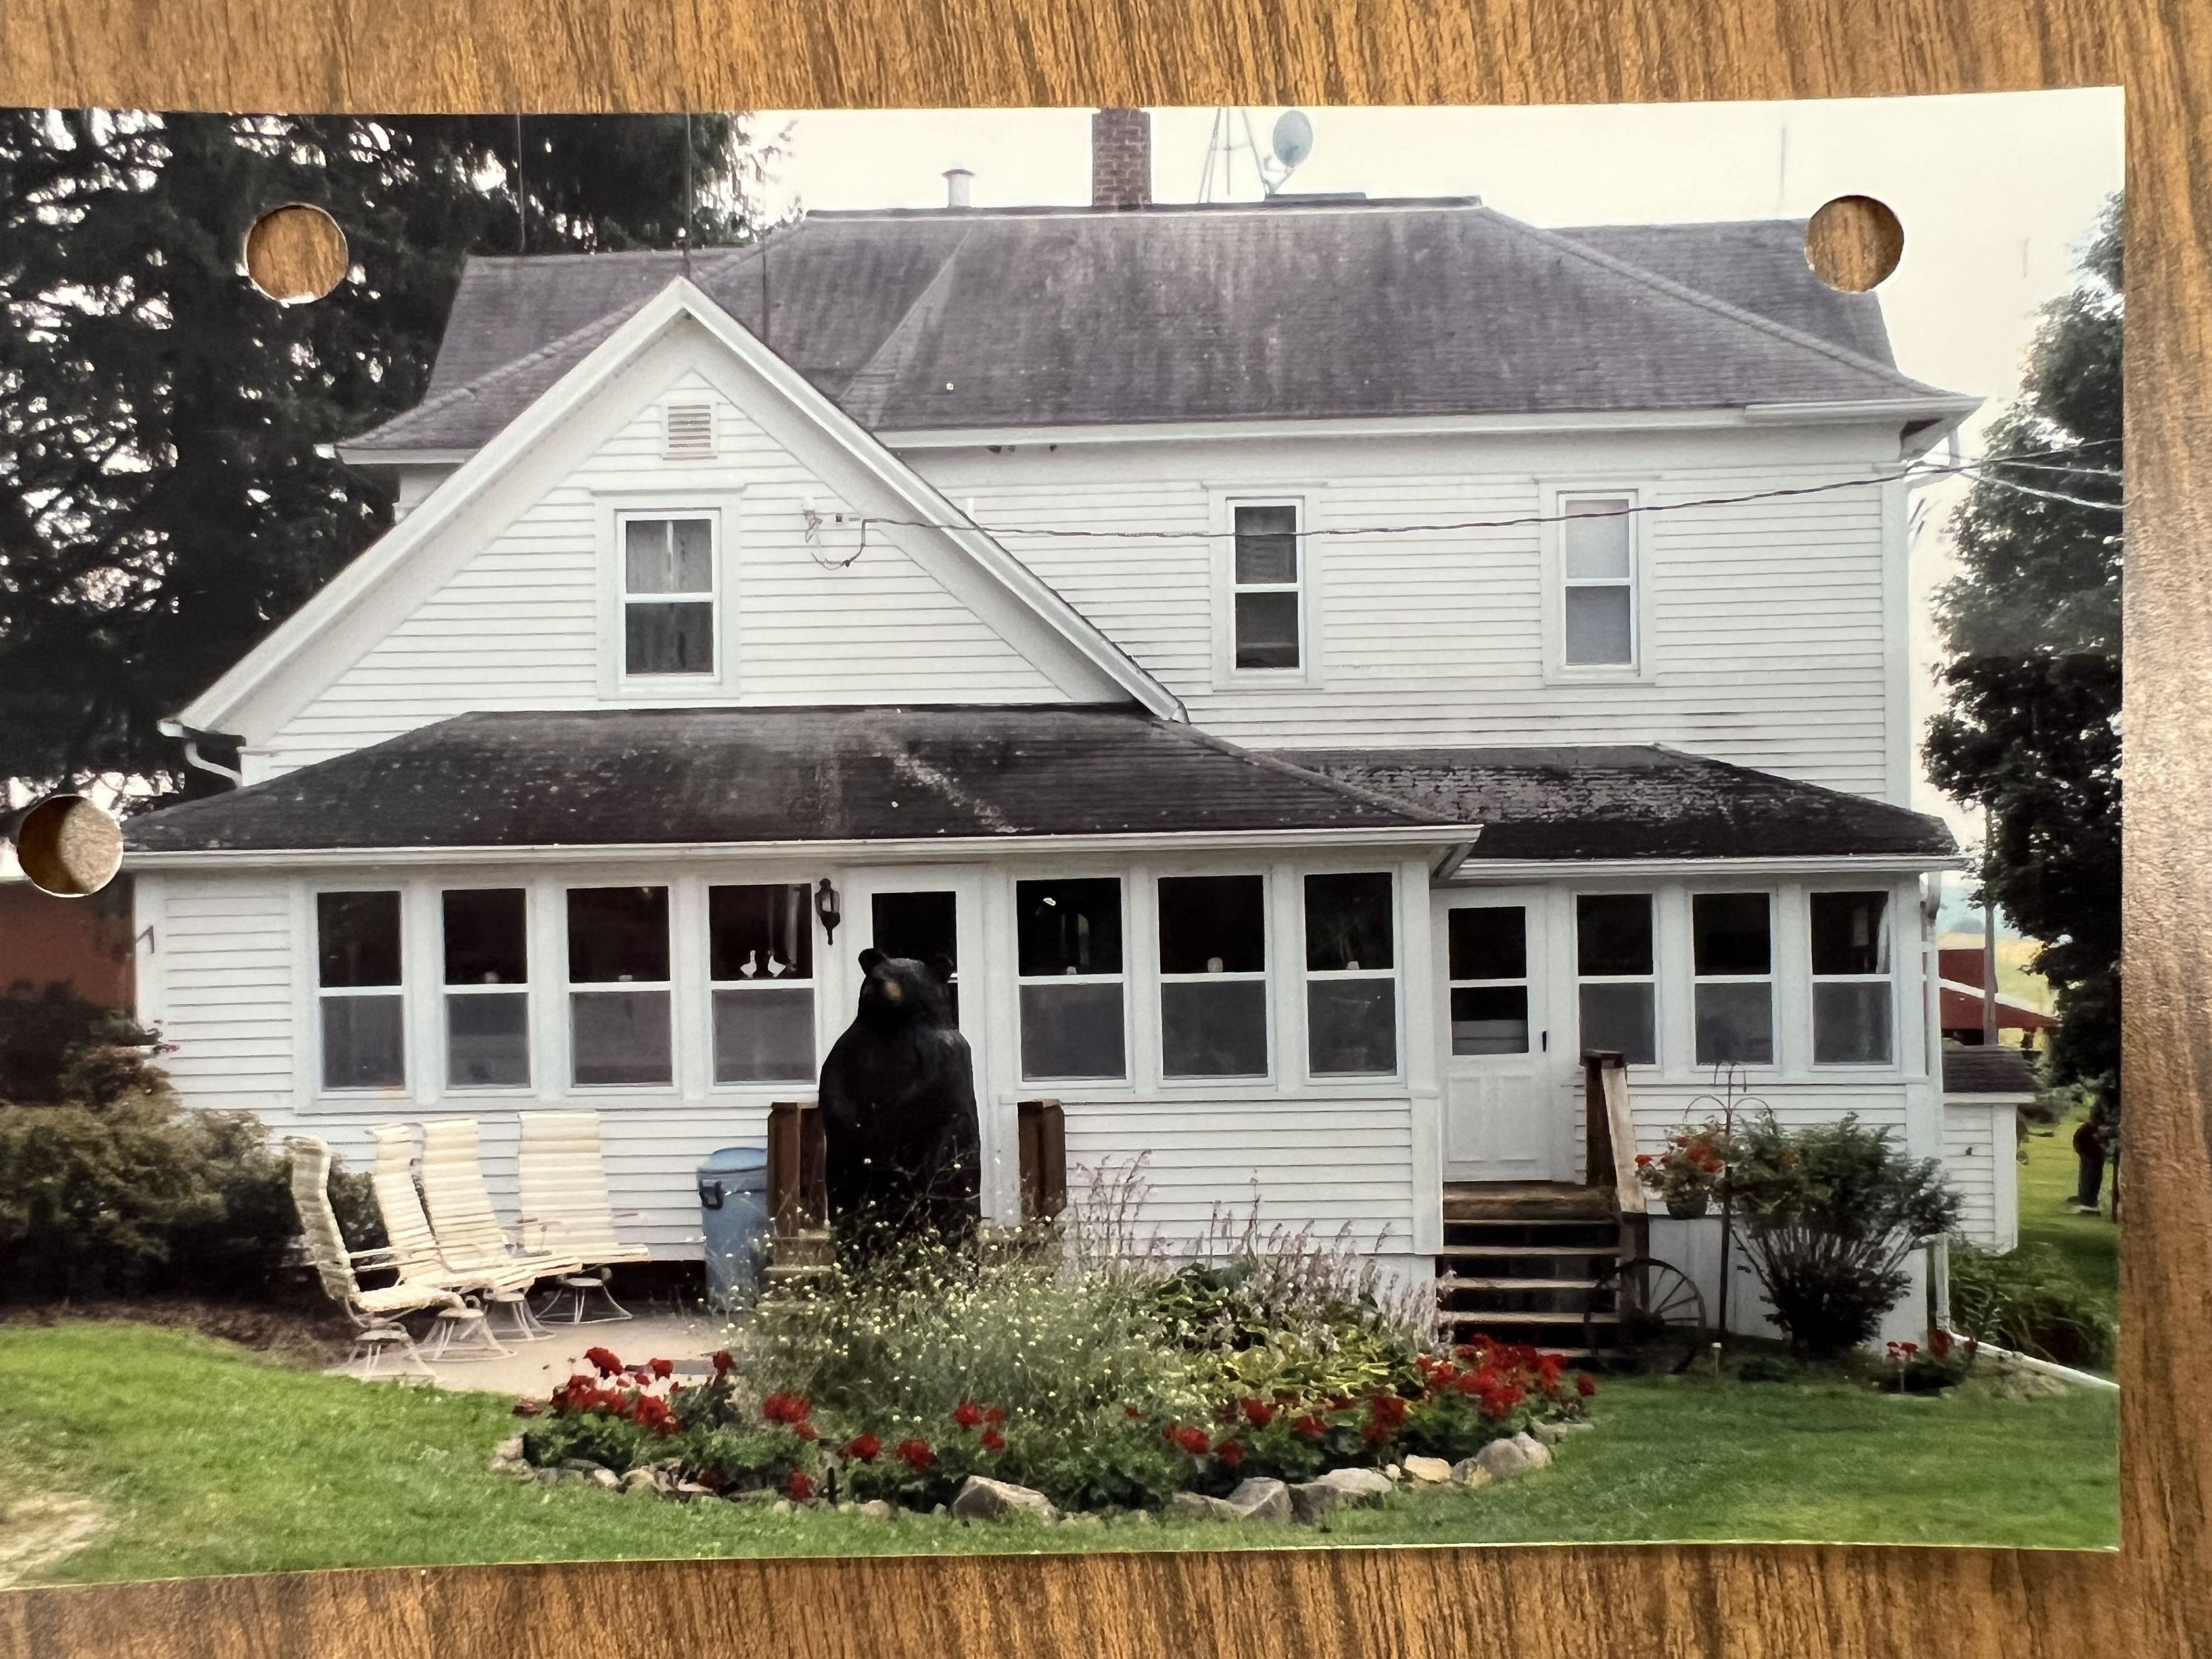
{"x": 734, "y": 1216}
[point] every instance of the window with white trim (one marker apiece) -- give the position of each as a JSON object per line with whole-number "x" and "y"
{"x": 1214, "y": 976}
{"x": 760, "y": 955}
{"x": 1597, "y": 581}
{"x": 1069, "y": 970}
{"x": 1352, "y": 975}
{"x": 1267, "y": 586}
{"x": 487, "y": 948}
{"x": 1853, "y": 994}
{"x": 1618, "y": 990}
{"x": 1486, "y": 959}
{"x": 671, "y": 585}
{"x": 360, "y": 985}
{"x": 619, "y": 1025}
{"x": 1732, "y": 962}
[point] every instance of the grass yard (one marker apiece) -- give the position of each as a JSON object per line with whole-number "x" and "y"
{"x": 2090, "y": 1243}
{"x": 200, "y": 1457}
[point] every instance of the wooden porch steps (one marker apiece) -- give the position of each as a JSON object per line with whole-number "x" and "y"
{"x": 1522, "y": 1261}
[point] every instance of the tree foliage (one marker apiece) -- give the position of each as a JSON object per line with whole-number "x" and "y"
{"x": 2032, "y": 625}
{"x": 168, "y": 488}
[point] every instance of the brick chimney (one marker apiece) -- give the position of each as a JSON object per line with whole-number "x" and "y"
{"x": 1121, "y": 158}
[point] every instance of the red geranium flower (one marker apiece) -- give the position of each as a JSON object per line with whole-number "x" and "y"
{"x": 1308, "y": 1427}
{"x": 1230, "y": 1453}
{"x": 915, "y": 1452}
{"x": 799, "y": 1487}
{"x": 1258, "y": 1413}
{"x": 966, "y": 1413}
{"x": 994, "y": 1414}
{"x": 994, "y": 1442}
{"x": 786, "y": 1408}
{"x": 722, "y": 1361}
{"x": 864, "y": 1447}
{"x": 663, "y": 1367}
{"x": 1585, "y": 1384}
{"x": 1133, "y": 1411}
{"x": 603, "y": 1359}
{"x": 806, "y": 1431}
{"x": 1188, "y": 1436}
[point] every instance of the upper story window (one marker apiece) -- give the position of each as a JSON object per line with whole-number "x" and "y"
{"x": 360, "y": 985}
{"x": 1619, "y": 990}
{"x": 619, "y": 1023}
{"x": 1852, "y": 990}
{"x": 1352, "y": 975}
{"x": 670, "y": 587}
{"x": 1267, "y": 587}
{"x": 487, "y": 989}
{"x": 1068, "y": 938}
{"x": 1597, "y": 581}
{"x": 760, "y": 955}
{"x": 1214, "y": 976}
{"x": 1732, "y": 947}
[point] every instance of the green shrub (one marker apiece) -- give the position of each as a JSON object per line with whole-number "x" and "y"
{"x": 1285, "y": 1322}
{"x": 1831, "y": 1213}
{"x": 55, "y": 1046}
{"x": 616, "y": 1442}
{"x": 2030, "y": 1301}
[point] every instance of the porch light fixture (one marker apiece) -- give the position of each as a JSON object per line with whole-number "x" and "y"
{"x": 826, "y": 907}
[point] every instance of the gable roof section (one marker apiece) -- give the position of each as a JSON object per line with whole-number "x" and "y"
{"x": 951, "y": 319}
{"x": 1633, "y": 801}
{"x": 663, "y": 777}
{"x": 555, "y": 383}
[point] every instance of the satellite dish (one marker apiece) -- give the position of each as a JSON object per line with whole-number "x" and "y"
{"x": 1293, "y": 137}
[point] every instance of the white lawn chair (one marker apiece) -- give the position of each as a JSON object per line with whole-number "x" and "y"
{"x": 469, "y": 1332}
{"x": 471, "y": 1240}
{"x": 562, "y": 1177}
{"x": 379, "y": 1336}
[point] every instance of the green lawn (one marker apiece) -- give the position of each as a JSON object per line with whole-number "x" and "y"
{"x": 204, "y": 1458}
{"x": 2090, "y": 1243}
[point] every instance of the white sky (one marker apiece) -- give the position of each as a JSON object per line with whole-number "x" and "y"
{"x": 1995, "y": 191}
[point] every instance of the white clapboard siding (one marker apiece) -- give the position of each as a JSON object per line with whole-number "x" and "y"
{"x": 1980, "y": 1154}
{"x": 1766, "y": 624}
{"x": 1333, "y": 1167}
{"x": 519, "y": 626}
{"x": 223, "y": 949}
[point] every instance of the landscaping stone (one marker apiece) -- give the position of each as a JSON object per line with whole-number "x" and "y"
{"x": 783, "y": 1506}
{"x": 581, "y": 1465}
{"x": 605, "y": 1479}
{"x": 1508, "y": 1460}
{"x": 1535, "y": 1450}
{"x": 876, "y": 1508}
{"x": 1469, "y": 1471}
{"x": 1313, "y": 1502}
{"x": 1261, "y": 1499}
{"x": 546, "y": 1477}
{"x": 981, "y": 1499}
{"x": 639, "y": 1480}
{"x": 687, "y": 1491}
{"x": 1197, "y": 1506}
{"x": 1367, "y": 1487}
{"x": 1550, "y": 1434}
{"x": 1427, "y": 1471}
{"x": 1394, "y": 1472}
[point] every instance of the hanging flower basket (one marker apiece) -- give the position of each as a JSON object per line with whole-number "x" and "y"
{"x": 1688, "y": 1205}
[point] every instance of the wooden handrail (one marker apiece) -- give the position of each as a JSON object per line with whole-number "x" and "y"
{"x": 797, "y": 1168}
{"x": 1609, "y": 1130}
{"x": 1042, "y": 1138}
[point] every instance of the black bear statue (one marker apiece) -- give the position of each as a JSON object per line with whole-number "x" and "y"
{"x": 898, "y": 1115}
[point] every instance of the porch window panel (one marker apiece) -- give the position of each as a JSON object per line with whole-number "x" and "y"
{"x": 760, "y": 950}
{"x": 1490, "y": 1019}
{"x": 1852, "y": 989}
{"x": 1620, "y": 1019}
{"x": 487, "y": 1040}
{"x": 487, "y": 952}
{"x": 1350, "y": 964}
{"x": 617, "y": 934}
{"x": 1732, "y": 959}
{"x": 1214, "y": 1028}
{"x": 1352, "y": 1026}
{"x": 1612, "y": 934}
{"x": 1850, "y": 1023}
{"x": 620, "y": 1037}
{"x": 1618, "y": 997}
{"x": 358, "y": 962}
{"x": 1213, "y": 924}
{"x": 619, "y": 937}
{"x": 1068, "y": 957}
{"x": 1735, "y": 1023}
{"x": 1487, "y": 942}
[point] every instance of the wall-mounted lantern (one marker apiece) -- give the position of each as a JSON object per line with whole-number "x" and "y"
{"x": 826, "y": 907}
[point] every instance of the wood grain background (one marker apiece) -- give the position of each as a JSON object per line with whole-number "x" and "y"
{"x": 2153, "y": 1598}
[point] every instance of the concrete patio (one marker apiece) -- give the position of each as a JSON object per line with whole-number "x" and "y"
{"x": 536, "y": 1369}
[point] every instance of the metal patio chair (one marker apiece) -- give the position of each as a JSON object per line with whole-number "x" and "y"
{"x": 562, "y": 1175}
{"x": 378, "y": 1335}
{"x": 471, "y": 1240}
{"x": 486, "y": 1292}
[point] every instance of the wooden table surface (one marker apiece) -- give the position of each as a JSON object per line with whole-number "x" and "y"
{"x": 2155, "y": 1597}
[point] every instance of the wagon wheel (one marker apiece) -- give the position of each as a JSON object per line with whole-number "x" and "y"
{"x": 1652, "y": 1310}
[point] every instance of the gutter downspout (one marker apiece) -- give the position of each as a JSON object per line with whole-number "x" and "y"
{"x": 193, "y": 757}
{"x": 2044, "y": 1367}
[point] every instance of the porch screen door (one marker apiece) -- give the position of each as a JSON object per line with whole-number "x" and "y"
{"x": 1497, "y": 1105}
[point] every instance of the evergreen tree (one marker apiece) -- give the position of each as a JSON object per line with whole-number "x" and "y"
{"x": 168, "y": 490}
{"x": 2031, "y": 623}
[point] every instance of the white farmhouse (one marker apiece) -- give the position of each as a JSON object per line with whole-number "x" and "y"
{"x": 1317, "y": 667}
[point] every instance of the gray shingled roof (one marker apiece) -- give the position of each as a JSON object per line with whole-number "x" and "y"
{"x": 1632, "y": 801}
{"x": 656, "y": 776}
{"x": 947, "y": 318}
{"x": 1990, "y": 1070}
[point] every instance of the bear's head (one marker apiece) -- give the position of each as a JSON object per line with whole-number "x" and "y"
{"x": 900, "y": 991}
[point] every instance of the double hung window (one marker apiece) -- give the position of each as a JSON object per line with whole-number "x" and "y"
{"x": 1614, "y": 962}
{"x": 1352, "y": 975}
{"x": 1851, "y": 989}
{"x": 1214, "y": 976}
{"x": 1068, "y": 940}
{"x": 359, "y": 985}
{"x": 1733, "y": 955}
{"x": 487, "y": 977}
{"x": 1597, "y": 563}
{"x": 1266, "y": 582}
{"x": 670, "y": 583}
{"x": 618, "y": 979}
{"x": 760, "y": 947}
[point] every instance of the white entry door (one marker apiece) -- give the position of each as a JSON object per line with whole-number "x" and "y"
{"x": 933, "y": 916}
{"x": 1498, "y": 1103}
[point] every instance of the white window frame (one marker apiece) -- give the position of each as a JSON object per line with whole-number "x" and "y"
{"x": 1651, "y": 898}
{"x": 1699, "y": 981}
{"x": 701, "y": 494}
{"x": 1815, "y": 980}
{"x": 1309, "y": 976}
{"x": 1266, "y": 977}
{"x": 1226, "y": 588}
{"x": 1122, "y": 980}
{"x": 1558, "y": 500}
{"x": 1529, "y": 984}
{"x": 813, "y": 982}
{"x": 525, "y": 988}
{"x": 711, "y": 599}
{"x": 571, "y": 988}
{"x": 399, "y": 994}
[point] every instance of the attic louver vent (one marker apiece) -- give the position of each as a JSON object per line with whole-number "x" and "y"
{"x": 690, "y": 431}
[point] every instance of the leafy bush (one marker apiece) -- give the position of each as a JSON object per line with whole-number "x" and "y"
{"x": 1832, "y": 1213}
{"x": 56, "y": 1048}
{"x": 2030, "y": 1301}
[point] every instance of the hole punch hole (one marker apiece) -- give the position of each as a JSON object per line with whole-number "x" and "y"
{"x": 69, "y": 846}
{"x": 1854, "y": 242}
{"x": 296, "y": 253}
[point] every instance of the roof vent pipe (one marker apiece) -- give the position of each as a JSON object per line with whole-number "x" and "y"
{"x": 957, "y": 180}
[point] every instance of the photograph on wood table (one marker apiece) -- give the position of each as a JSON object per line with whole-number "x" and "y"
{"x": 949, "y": 832}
